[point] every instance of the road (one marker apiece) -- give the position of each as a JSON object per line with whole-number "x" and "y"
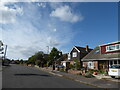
{"x": 17, "y": 76}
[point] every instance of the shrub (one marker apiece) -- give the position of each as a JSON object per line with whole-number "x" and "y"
{"x": 93, "y": 70}
{"x": 62, "y": 70}
{"x": 71, "y": 66}
{"x": 101, "y": 72}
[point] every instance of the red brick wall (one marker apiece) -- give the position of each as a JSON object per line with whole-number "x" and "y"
{"x": 85, "y": 64}
{"x": 96, "y": 65}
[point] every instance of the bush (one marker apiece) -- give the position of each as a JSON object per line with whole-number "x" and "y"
{"x": 62, "y": 70}
{"x": 101, "y": 72}
{"x": 93, "y": 70}
{"x": 71, "y": 66}
{"x": 45, "y": 65}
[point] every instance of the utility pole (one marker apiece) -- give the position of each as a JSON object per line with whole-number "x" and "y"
{"x": 5, "y": 52}
{"x": 47, "y": 53}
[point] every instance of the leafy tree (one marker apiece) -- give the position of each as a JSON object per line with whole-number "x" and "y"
{"x": 37, "y": 62}
{"x": 54, "y": 54}
{"x": 39, "y": 55}
{"x": 21, "y": 61}
{"x": 39, "y": 59}
{"x": 31, "y": 60}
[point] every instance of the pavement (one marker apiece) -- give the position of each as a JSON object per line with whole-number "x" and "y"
{"x": 99, "y": 81}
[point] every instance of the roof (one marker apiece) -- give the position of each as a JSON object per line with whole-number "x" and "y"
{"x": 95, "y": 55}
{"x": 82, "y": 49}
{"x": 110, "y": 43}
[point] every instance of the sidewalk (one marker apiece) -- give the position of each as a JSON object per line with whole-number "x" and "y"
{"x": 89, "y": 81}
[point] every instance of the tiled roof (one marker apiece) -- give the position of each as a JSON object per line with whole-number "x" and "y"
{"x": 83, "y": 50}
{"x": 96, "y": 55}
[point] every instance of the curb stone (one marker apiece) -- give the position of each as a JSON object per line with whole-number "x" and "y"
{"x": 67, "y": 77}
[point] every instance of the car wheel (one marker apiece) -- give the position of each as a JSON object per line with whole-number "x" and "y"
{"x": 113, "y": 76}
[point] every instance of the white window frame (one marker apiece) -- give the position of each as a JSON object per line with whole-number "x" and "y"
{"x": 91, "y": 65}
{"x": 115, "y": 49}
{"x": 74, "y": 54}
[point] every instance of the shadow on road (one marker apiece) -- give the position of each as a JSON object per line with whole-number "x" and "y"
{"x": 44, "y": 75}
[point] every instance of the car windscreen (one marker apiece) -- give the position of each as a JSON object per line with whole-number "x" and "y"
{"x": 115, "y": 66}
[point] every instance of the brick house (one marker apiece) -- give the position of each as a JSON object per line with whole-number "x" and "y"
{"x": 103, "y": 56}
{"x": 77, "y": 53}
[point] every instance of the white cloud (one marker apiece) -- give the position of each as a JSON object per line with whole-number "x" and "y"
{"x": 43, "y": 5}
{"x": 55, "y": 30}
{"x": 32, "y": 32}
{"x": 64, "y": 13}
{"x": 8, "y": 15}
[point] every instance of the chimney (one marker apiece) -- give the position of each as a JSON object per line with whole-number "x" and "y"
{"x": 87, "y": 47}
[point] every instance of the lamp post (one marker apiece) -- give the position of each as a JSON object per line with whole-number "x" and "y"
{"x": 54, "y": 62}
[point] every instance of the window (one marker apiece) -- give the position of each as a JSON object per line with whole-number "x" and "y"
{"x": 97, "y": 51}
{"x": 90, "y": 65}
{"x": 118, "y": 46}
{"x": 115, "y": 62}
{"x": 115, "y": 66}
{"x": 111, "y": 62}
{"x": 118, "y": 61}
{"x": 74, "y": 54}
{"x": 113, "y": 47}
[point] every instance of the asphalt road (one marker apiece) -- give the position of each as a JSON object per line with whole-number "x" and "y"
{"x": 16, "y": 76}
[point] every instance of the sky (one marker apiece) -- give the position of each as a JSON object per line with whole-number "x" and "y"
{"x": 29, "y": 27}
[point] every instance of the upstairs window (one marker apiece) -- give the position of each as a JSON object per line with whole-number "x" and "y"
{"x": 97, "y": 51}
{"x": 74, "y": 54}
{"x": 113, "y": 47}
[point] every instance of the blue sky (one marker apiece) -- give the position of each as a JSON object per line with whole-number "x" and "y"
{"x": 29, "y": 27}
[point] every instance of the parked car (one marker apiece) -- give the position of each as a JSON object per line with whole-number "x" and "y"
{"x": 59, "y": 66}
{"x": 114, "y": 71}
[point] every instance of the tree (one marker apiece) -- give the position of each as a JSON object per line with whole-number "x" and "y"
{"x": 54, "y": 55}
{"x": 37, "y": 62}
{"x": 77, "y": 64}
{"x": 31, "y": 60}
{"x": 39, "y": 59}
{"x": 21, "y": 61}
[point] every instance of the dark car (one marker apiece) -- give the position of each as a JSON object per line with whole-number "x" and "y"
{"x": 59, "y": 66}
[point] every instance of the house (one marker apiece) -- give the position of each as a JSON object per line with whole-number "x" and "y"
{"x": 103, "y": 56}
{"x": 65, "y": 61}
{"x": 77, "y": 53}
